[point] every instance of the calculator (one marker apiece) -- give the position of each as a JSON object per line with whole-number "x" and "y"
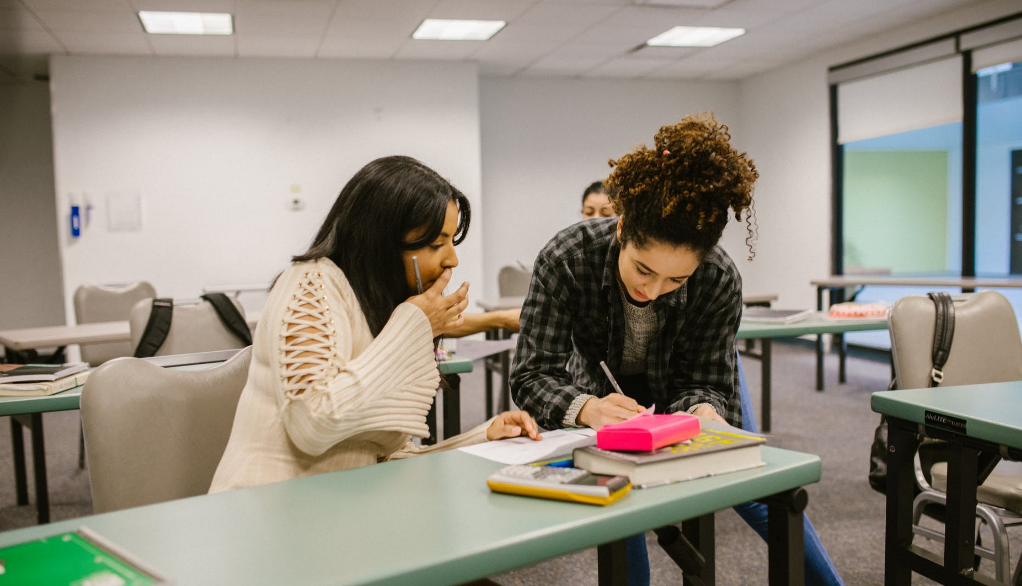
{"x": 565, "y": 484}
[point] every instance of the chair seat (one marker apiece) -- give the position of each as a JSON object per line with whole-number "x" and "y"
{"x": 1002, "y": 488}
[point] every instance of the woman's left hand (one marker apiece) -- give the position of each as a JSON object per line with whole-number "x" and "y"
{"x": 513, "y": 424}
{"x": 706, "y": 410}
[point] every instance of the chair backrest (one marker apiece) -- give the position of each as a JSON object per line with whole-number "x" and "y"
{"x": 194, "y": 327}
{"x": 513, "y": 281}
{"x": 986, "y": 347}
{"x": 99, "y": 303}
{"x": 154, "y": 434}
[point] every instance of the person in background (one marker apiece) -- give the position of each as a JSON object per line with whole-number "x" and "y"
{"x": 596, "y": 202}
{"x": 653, "y": 295}
{"x": 343, "y": 370}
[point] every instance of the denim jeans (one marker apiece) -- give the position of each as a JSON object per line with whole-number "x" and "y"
{"x": 819, "y": 569}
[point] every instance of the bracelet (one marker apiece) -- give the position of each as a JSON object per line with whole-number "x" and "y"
{"x": 692, "y": 409}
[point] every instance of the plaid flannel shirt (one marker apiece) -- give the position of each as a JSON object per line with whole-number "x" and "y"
{"x": 573, "y": 318}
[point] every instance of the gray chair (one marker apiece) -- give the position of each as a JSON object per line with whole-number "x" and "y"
{"x": 513, "y": 281}
{"x": 156, "y": 434}
{"x": 99, "y": 303}
{"x": 986, "y": 348}
{"x": 194, "y": 327}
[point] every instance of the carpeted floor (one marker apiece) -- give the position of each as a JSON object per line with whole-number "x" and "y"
{"x": 836, "y": 424}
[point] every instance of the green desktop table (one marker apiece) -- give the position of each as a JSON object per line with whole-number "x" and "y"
{"x": 982, "y": 423}
{"x": 816, "y": 324}
{"x": 27, "y": 412}
{"x": 431, "y": 520}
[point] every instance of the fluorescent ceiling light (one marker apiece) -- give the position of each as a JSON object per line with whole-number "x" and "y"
{"x": 186, "y": 23}
{"x": 695, "y": 36}
{"x": 457, "y": 30}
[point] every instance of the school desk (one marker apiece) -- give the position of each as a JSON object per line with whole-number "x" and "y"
{"x": 431, "y": 520}
{"x": 982, "y": 423}
{"x": 817, "y": 323}
{"x": 27, "y": 412}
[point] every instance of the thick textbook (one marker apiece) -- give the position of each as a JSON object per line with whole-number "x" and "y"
{"x": 647, "y": 431}
{"x": 717, "y": 449}
{"x": 43, "y": 388}
{"x": 40, "y": 372}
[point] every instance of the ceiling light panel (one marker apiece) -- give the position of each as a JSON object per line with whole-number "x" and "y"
{"x": 694, "y": 36}
{"x": 186, "y": 23}
{"x": 435, "y": 29}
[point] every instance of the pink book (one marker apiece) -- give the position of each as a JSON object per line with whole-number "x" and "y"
{"x": 647, "y": 431}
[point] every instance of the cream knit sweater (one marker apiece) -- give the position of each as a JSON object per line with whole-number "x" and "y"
{"x": 336, "y": 398}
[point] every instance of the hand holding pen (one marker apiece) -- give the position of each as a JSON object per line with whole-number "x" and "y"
{"x": 613, "y": 408}
{"x": 444, "y": 313}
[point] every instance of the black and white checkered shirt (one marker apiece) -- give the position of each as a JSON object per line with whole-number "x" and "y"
{"x": 573, "y": 319}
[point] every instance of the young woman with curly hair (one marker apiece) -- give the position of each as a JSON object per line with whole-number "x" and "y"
{"x": 653, "y": 294}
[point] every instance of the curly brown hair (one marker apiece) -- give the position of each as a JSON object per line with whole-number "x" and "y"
{"x": 679, "y": 192}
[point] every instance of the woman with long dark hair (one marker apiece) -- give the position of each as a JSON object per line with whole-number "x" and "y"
{"x": 343, "y": 370}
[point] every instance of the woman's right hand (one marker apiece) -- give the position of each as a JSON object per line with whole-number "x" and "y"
{"x": 444, "y": 313}
{"x": 614, "y": 408}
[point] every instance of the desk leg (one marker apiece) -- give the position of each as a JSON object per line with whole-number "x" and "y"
{"x": 819, "y": 343}
{"x": 962, "y": 466}
{"x": 842, "y": 350}
{"x": 785, "y": 537}
{"x": 900, "y": 483}
{"x": 20, "y": 474}
{"x": 613, "y": 564}
{"x": 34, "y": 421}
{"x": 488, "y": 376}
{"x": 452, "y": 407}
{"x": 766, "y": 375}
{"x": 505, "y": 386}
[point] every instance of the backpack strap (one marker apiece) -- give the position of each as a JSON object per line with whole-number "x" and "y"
{"x": 943, "y": 334}
{"x": 230, "y": 316}
{"x": 156, "y": 329}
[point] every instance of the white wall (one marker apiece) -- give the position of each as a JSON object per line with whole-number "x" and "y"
{"x": 546, "y": 139}
{"x": 784, "y": 126}
{"x": 30, "y": 289}
{"x": 212, "y": 147}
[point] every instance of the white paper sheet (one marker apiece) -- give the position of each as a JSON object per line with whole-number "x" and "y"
{"x": 522, "y": 450}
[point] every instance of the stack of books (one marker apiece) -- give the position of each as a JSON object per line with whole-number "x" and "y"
{"x": 33, "y": 380}
{"x": 717, "y": 449}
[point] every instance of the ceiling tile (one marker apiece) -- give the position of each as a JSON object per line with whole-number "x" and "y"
{"x": 375, "y": 40}
{"x": 92, "y": 43}
{"x": 79, "y": 5}
{"x": 18, "y": 19}
{"x": 506, "y": 10}
{"x": 374, "y": 10}
{"x": 186, "y": 5}
{"x": 510, "y": 55}
{"x": 569, "y": 66}
{"x": 29, "y": 43}
{"x": 276, "y": 46}
{"x": 192, "y": 45}
{"x": 627, "y": 67}
{"x": 91, "y": 22}
{"x": 442, "y": 50}
{"x": 295, "y": 18}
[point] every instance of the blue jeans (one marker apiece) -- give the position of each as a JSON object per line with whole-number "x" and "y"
{"x": 819, "y": 569}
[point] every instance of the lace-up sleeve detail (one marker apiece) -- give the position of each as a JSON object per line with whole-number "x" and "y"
{"x": 328, "y": 395}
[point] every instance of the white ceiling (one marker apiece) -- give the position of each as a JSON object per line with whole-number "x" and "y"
{"x": 587, "y": 38}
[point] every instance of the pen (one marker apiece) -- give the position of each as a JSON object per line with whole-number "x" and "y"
{"x": 610, "y": 377}
{"x": 418, "y": 276}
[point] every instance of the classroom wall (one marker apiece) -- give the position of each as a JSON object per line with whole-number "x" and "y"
{"x": 31, "y": 282}
{"x": 212, "y": 152}
{"x": 546, "y": 139}
{"x": 784, "y": 126}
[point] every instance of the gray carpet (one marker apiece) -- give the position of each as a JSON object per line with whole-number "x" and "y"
{"x": 836, "y": 424}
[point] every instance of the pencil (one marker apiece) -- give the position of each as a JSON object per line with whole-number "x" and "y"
{"x": 610, "y": 377}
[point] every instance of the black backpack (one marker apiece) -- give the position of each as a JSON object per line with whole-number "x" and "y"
{"x": 158, "y": 326}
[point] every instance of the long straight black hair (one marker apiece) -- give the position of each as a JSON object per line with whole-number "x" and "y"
{"x": 364, "y": 232}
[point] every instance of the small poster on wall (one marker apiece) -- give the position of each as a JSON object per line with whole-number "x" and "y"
{"x": 124, "y": 212}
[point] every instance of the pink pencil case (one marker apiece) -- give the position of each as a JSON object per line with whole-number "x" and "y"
{"x": 647, "y": 431}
